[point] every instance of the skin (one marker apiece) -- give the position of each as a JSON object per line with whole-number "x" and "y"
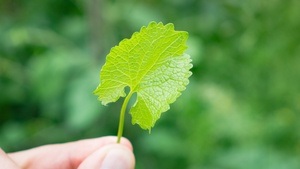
{"x": 100, "y": 153}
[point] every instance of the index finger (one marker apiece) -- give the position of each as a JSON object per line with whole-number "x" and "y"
{"x": 67, "y": 155}
{"x": 6, "y": 162}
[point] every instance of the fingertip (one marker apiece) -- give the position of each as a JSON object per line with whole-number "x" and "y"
{"x": 127, "y": 143}
{"x": 117, "y": 156}
{"x": 113, "y": 140}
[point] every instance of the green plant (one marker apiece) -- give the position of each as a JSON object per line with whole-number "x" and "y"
{"x": 152, "y": 63}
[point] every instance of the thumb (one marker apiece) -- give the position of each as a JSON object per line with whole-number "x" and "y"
{"x": 114, "y": 156}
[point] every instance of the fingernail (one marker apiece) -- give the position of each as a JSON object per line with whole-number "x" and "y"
{"x": 117, "y": 159}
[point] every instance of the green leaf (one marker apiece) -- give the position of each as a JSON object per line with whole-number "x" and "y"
{"x": 153, "y": 65}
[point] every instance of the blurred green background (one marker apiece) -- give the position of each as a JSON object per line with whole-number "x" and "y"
{"x": 240, "y": 110}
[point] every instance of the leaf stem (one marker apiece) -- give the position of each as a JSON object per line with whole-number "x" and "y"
{"x": 122, "y": 116}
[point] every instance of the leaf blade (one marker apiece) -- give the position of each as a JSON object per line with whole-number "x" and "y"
{"x": 160, "y": 91}
{"x": 147, "y": 63}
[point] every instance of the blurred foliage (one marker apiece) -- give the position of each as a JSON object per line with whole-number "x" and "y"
{"x": 240, "y": 110}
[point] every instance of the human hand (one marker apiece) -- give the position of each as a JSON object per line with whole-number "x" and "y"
{"x": 100, "y": 153}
